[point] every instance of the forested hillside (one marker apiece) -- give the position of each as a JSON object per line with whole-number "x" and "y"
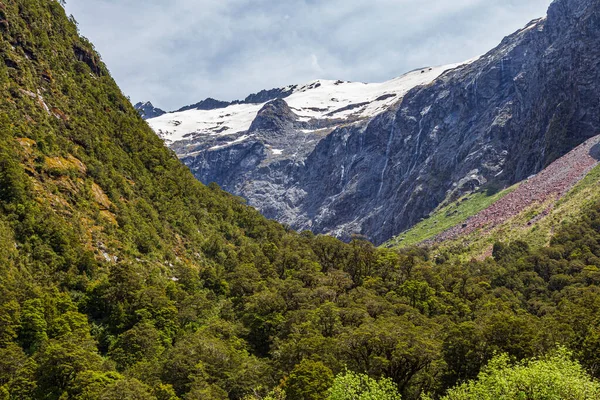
{"x": 122, "y": 277}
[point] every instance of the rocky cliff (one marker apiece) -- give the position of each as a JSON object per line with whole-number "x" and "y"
{"x": 147, "y": 110}
{"x": 492, "y": 121}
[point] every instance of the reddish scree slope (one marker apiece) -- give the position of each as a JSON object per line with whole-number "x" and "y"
{"x": 553, "y": 182}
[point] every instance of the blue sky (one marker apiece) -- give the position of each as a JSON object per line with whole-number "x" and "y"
{"x": 177, "y": 52}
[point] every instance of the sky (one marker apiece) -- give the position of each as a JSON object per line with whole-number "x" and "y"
{"x": 178, "y": 52}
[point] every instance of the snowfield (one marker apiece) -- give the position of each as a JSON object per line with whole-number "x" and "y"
{"x": 320, "y": 99}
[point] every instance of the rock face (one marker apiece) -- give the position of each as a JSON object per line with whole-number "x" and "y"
{"x": 256, "y": 98}
{"x": 207, "y": 104}
{"x": 147, "y": 110}
{"x": 496, "y": 120}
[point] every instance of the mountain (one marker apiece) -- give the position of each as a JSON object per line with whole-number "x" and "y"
{"x": 147, "y": 110}
{"x": 250, "y": 148}
{"x": 375, "y": 159}
{"x": 318, "y": 106}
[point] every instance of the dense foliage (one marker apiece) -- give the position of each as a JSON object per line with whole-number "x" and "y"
{"x": 353, "y": 386}
{"x": 557, "y": 377}
{"x": 123, "y": 277}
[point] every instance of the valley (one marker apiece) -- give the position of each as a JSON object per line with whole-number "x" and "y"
{"x": 124, "y": 276}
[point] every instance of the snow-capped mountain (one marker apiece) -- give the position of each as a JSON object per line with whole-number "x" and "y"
{"x": 349, "y": 158}
{"x": 330, "y": 102}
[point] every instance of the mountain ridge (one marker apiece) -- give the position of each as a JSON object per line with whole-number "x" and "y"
{"x": 317, "y": 99}
{"x": 210, "y": 103}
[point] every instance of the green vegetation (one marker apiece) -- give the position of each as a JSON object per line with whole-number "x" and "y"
{"x": 557, "y": 377}
{"x": 308, "y": 380}
{"x": 447, "y": 216}
{"x": 352, "y": 386}
{"x": 122, "y": 277}
{"x": 584, "y": 186}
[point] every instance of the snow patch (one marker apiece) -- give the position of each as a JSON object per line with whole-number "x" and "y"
{"x": 225, "y": 121}
{"x": 238, "y": 140}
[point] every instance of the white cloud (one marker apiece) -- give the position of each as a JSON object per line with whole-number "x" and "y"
{"x": 180, "y": 51}
{"x": 315, "y": 64}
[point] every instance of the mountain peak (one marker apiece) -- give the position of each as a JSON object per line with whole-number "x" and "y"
{"x": 147, "y": 110}
{"x": 275, "y": 116}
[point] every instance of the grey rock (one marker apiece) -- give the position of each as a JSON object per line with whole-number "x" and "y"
{"x": 267, "y": 95}
{"x": 256, "y": 98}
{"x": 275, "y": 117}
{"x": 147, "y": 110}
{"x": 207, "y": 104}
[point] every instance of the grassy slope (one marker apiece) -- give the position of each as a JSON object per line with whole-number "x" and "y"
{"x": 568, "y": 209}
{"x": 446, "y": 217}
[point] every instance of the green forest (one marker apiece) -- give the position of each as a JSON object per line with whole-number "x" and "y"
{"x": 122, "y": 277}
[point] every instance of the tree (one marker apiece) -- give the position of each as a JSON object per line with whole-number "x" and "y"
{"x": 403, "y": 348}
{"x": 13, "y": 181}
{"x": 308, "y": 381}
{"x": 464, "y": 351}
{"x": 419, "y": 295}
{"x": 59, "y": 363}
{"x": 212, "y": 360}
{"x": 9, "y": 322}
{"x": 33, "y": 325}
{"x": 142, "y": 342}
{"x": 91, "y": 384}
{"x": 353, "y": 386}
{"x": 127, "y": 389}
